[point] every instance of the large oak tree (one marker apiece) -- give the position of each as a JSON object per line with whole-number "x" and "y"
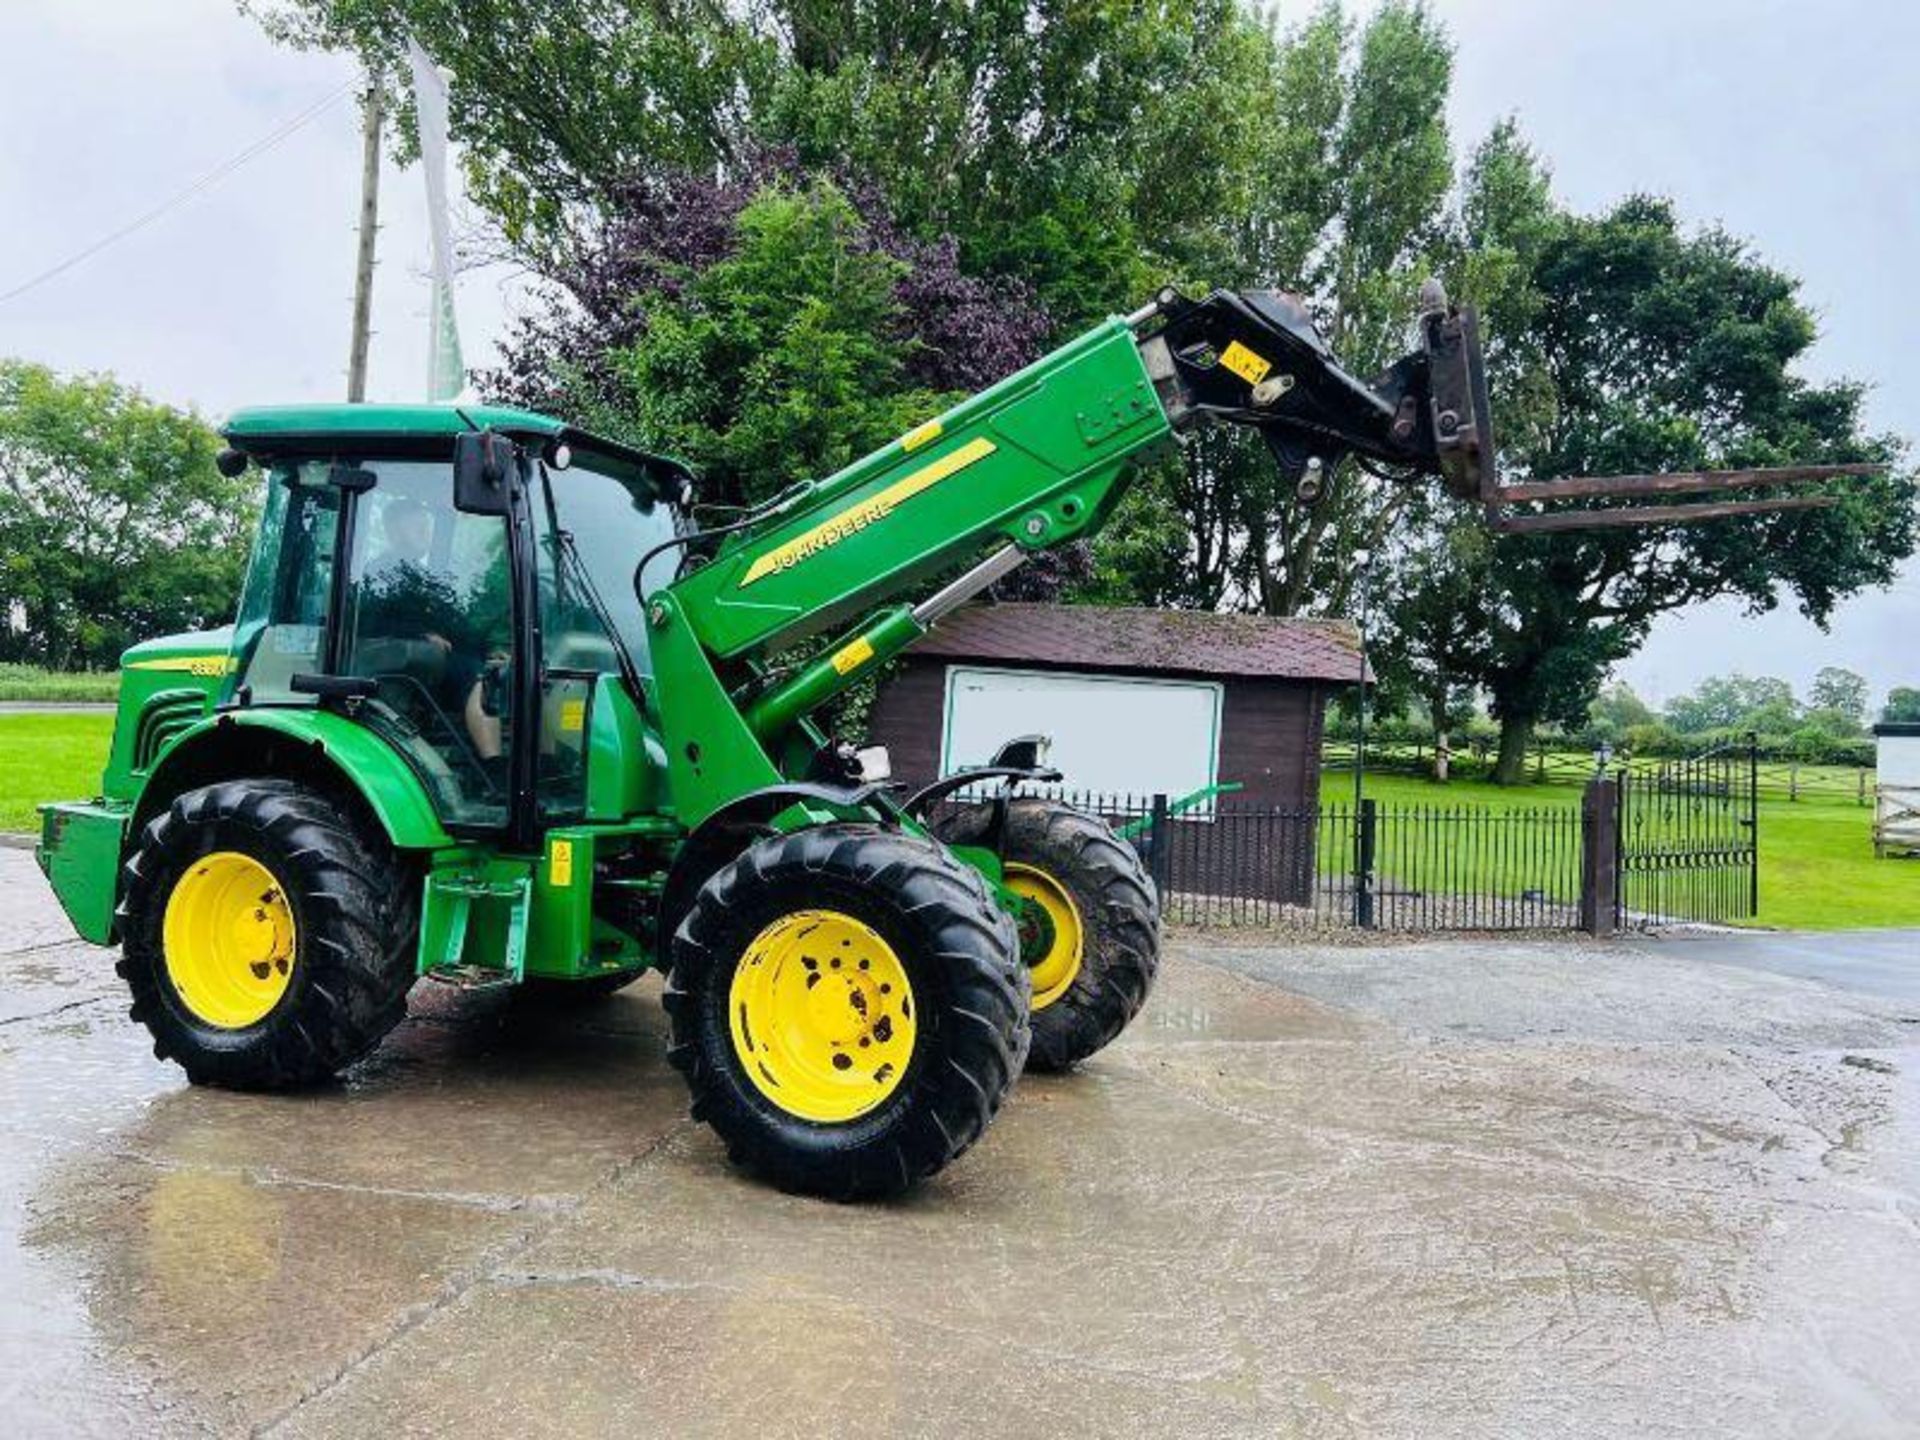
{"x": 1653, "y": 348}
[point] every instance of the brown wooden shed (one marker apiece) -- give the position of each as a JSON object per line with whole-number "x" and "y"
{"x": 1136, "y": 700}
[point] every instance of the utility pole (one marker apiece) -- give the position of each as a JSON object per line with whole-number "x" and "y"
{"x": 369, "y": 227}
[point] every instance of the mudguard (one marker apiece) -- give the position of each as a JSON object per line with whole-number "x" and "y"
{"x": 719, "y": 838}
{"x": 363, "y": 761}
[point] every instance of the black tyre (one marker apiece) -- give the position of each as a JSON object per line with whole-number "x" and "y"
{"x": 1092, "y": 934}
{"x": 267, "y": 938}
{"x": 849, "y": 1009}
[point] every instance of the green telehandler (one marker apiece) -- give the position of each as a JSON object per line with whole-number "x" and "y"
{"x": 495, "y": 710}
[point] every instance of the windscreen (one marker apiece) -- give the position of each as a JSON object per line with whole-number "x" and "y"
{"x": 614, "y": 521}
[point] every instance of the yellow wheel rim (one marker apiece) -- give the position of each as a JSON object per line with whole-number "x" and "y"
{"x": 1056, "y": 969}
{"x": 228, "y": 939}
{"x": 822, "y": 1015}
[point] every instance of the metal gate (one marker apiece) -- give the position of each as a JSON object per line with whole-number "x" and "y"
{"x": 1689, "y": 839}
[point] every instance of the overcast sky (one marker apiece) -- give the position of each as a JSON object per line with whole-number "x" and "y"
{"x": 1792, "y": 124}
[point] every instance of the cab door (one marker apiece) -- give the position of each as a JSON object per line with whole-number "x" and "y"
{"x": 428, "y": 616}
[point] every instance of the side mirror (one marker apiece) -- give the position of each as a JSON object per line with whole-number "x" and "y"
{"x": 482, "y": 461}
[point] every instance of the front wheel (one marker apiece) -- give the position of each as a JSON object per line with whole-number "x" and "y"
{"x": 848, "y": 1008}
{"x": 266, "y": 937}
{"x": 1090, "y": 930}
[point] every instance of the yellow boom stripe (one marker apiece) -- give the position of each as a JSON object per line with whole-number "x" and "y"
{"x": 865, "y": 512}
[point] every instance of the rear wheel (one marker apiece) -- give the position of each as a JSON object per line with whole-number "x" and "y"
{"x": 848, "y": 1008}
{"x": 1091, "y": 928}
{"x": 267, "y": 939}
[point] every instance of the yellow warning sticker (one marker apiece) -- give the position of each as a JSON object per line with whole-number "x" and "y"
{"x": 573, "y": 715}
{"x": 851, "y": 657}
{"x": 560, "y": 864}
{"x": 920, "y": 435}
{"x": 1244, "y": 363}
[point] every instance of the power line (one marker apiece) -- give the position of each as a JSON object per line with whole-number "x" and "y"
{"x": 180, "y": 197}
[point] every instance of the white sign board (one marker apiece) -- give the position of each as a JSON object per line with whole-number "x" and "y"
{"x": 1111, "y": 734}
{"x": 1897, "y": 760}
{"x": 1896, "y": 824}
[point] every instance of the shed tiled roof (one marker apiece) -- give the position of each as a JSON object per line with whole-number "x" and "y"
{"x": 1192, "y": 642}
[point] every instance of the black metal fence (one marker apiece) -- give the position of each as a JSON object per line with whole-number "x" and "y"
{"x": 1369, "y": 865}
{"x": 1644, "y": 850}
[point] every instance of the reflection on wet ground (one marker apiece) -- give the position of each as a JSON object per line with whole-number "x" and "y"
{"x": 1309, "y": 1193}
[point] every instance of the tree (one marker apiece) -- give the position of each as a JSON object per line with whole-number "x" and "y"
{"x": 1735, "y": 702}
{"x": 1436, "y": 646}
{"x": 1617, "y": 709}
{"x": 1902, "y": 707}
{"x": 1348, "y": 209}
{"x": 1842, "y": 695}
{"x": 1078, "y": 147}
{"x": 1082, "y": 151}
{"x": 1654, "y": 349}
{"x": 769, "y": 328}
{"x": 114, "y": 524}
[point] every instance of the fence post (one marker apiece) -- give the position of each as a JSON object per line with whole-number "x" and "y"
{"x": 1161, "y": 848}
{"x": 1753, "y": 828}
{"x": 1367, "y": 823}
{"x": 1600, "y": 855}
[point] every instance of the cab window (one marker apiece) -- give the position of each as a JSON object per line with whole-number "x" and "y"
{"x": 281, "y": 628}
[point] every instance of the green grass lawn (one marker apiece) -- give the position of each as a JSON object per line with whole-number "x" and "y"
{"x": 1817, "y": 867}
{"x": 30, "y": 682}
{"x": 49, "y": 757}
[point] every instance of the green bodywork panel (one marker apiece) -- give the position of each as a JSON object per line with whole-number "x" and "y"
{"x": 625, "y": 765}
{"x": 391, "y": 789}
{"x": 79, "y": 850}
{"x": 525, "y": 916}
{"x": 1036, "y": 460}
{"x": 166, "y": 686}
{"x": 569, "y": 941}
{"x": 712, "y": 756}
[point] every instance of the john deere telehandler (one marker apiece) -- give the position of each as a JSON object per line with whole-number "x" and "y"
{"x": 496, "y": 710}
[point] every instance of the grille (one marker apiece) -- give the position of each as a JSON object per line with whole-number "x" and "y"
{"x": 163, "y": 719}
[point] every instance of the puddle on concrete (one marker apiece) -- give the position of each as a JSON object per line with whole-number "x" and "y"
{"x": 1204, "y": 1002}
{"x": 1254, "y": 1215}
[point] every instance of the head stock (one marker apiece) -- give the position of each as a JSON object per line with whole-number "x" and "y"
{"x": 1256, "y": 357}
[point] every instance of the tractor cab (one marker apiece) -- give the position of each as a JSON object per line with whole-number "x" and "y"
{"x": 476, "y": 635}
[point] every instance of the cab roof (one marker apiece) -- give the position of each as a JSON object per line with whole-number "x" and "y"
{"x": 282, "y": 429}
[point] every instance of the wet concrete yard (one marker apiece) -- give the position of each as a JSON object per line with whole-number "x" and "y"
{"x": 1462, "y": 1188}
